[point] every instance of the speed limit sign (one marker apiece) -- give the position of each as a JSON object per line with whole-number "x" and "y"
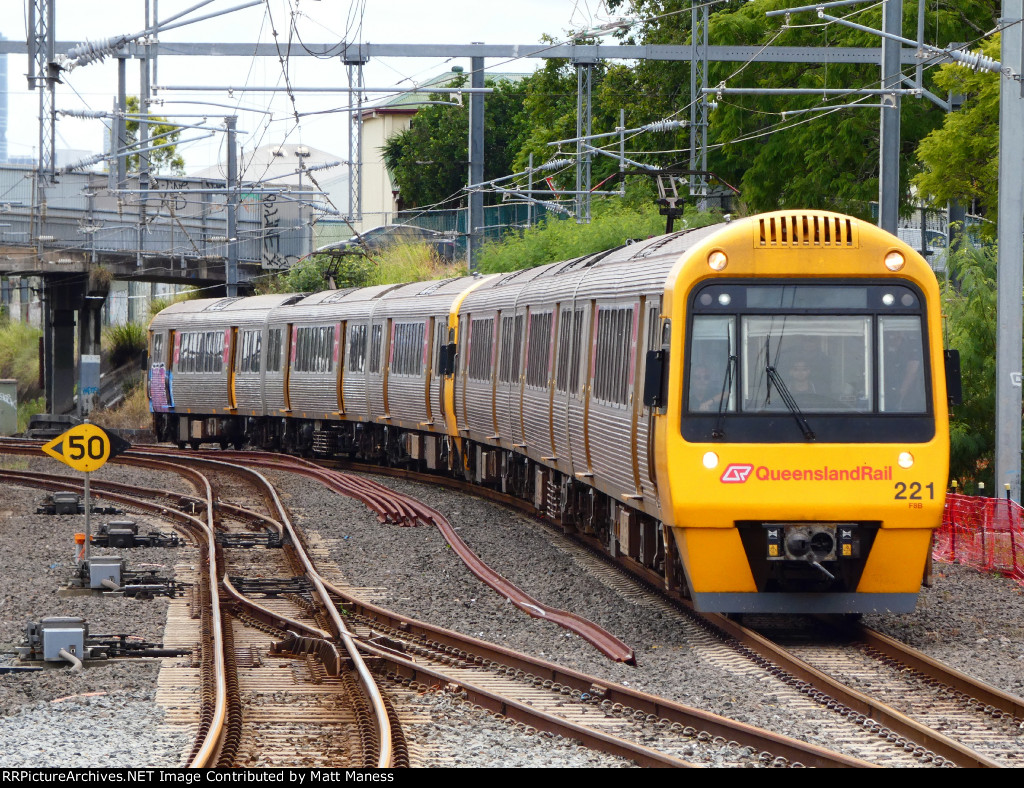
{"x": 85, "y": 447}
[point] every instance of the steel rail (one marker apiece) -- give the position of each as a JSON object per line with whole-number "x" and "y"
{"x": 790, "y": 748}
{"x": 859, "y": 702}
{"x": 521, "y": 712}
{"x": 373, "y": 694}
{"x": 213, "y": 735}
{"x": 992, "y": 697}
{"x": 392, "y": 506}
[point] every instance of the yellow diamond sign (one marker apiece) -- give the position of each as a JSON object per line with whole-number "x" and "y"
{"x": 85, "y": 447}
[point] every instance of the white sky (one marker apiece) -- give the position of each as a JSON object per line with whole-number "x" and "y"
{"x": 317, "y": 21}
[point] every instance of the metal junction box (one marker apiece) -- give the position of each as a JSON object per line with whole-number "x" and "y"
{"x": 65, "y": 503}
{"x": 62, "y": 633}
{"x": 100, "y": 569}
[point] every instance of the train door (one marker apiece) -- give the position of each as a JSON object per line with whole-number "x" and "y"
{"x": 340, "y": 338}
{"x": 589, "y": 349}
{"x": 289, "y": 344}
{"x": 428, "y": 371}
{"x": 638, "y": 433}
{"x": 389, "y": 343}
{"x": 553, "y": 346}
{"x": 159, "y": 379}
{"x": 230, "y": 347}
{"x": 652, "y": 331}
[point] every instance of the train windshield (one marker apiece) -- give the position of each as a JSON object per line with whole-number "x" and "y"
{"x": 846, "y": 350}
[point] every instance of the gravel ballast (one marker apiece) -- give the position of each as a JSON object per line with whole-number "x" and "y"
{"x": 972, "y": 621}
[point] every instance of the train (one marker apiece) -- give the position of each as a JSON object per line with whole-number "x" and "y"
{"x": 753, "y": 414}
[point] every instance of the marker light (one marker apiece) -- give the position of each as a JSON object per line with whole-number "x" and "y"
{"x": 906, "y": 459}
{"x": 724, "y": 299}
{"x": 710, "y": 460}
{"x": 717, "y": 260}
{"x": 888, "y": 299}
{"x": 894, "y": 261}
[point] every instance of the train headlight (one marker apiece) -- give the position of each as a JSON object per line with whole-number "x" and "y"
{"x": 895, "y": 261}
{"x": 710, "y": 460}
{"x": 717, "y": 261}
{"x": 905, "y": 460}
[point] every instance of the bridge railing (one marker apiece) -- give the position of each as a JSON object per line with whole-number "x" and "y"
{"x": 179, "y": 218}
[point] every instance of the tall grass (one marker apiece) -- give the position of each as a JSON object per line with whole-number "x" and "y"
{"x": 124, "y": 343}
{"x": 19, "y": 357}
{"x": 410, "y": 263}
{"x": 131, "y": 413}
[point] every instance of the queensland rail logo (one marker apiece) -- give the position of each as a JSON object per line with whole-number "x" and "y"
{"x": 736, "y": 473}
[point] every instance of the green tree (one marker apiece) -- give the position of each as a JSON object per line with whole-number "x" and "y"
{"x": 819, "y": 159}
{"x": 961, "y": 159}
{"x": 429, "y": 160}
{"x": 163, "y": 160}
{"x": 970, "y": 309}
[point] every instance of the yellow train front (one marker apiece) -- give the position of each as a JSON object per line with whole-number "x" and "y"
{"x": 803, "y": 428}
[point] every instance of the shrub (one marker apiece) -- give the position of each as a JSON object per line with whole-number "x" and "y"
{"x": 125, "y": 343}
{"x": 19, "y": 357}
{"x": 612, "y": 225}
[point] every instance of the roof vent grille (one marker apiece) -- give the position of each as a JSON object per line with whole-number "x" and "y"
{"x": 806, "y": 229}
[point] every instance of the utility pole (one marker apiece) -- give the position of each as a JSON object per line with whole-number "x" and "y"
{"x": 231, "y": 122}
{"x": 1010, "y": 274}
{"x": 889, "y": 142}
{"x": 584, "y": 128}
{"x": 474, "y": 220}
{"x": 699, "y": 104}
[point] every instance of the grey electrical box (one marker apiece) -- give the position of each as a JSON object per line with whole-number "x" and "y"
{"x": 8, "y": 406}
{"x": 120, "y": 533}
{"x": 62, "y": 633}
{"x": 104, "y": 568}
{"x": 65, "y": 503}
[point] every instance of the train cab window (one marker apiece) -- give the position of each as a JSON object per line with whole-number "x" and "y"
{"x": 822, "y": 362}
{"x": 156, "y": 355}
{"x": 901, "y": 386}
{"x": 777, "y": 362}
{"x": 711, "y": 387}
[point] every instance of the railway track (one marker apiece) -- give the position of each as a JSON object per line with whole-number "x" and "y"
{"x": 614, "y": 719}
{"x": 233, "y": 693}
{"x": 960, "y": 721}
{"x": 901, "y": 692}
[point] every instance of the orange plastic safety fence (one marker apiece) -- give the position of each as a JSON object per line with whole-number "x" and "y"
{"x": 986, "y": 533}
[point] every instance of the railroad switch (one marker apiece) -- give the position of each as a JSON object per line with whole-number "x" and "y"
{"x": 270, "y": 539}
{"x": 67, "y": 639}
{"x": 69, "y": 503}
{"x": 124, "y": 534}
{"x": 109, "y": 574}
{"x": 269, "y": 586}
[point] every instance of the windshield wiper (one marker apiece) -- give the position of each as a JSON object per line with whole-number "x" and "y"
{"x": 723, "y": 398}
{"x": 787, "y": 398}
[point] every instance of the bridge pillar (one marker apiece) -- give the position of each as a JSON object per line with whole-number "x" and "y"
{"x": 90, "y": 327}
{"x": 59, "y": 344}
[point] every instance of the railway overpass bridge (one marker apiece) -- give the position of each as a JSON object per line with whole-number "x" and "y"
{"x": 74, "y": 236}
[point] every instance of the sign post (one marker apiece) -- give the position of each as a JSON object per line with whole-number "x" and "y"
{"x": 85, "y": 448}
